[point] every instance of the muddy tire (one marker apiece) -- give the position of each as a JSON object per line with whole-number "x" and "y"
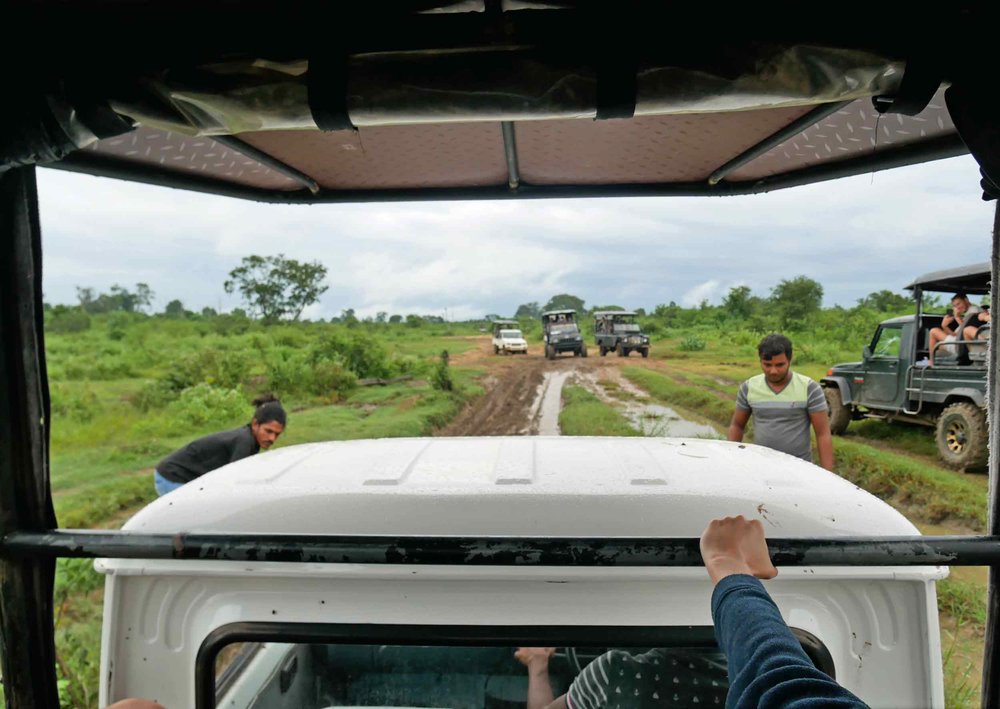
{"x": 604, "y": 350}
{"x": 550, "y": 352}
{"x": 583, "y": 351}
{"x": 840, "y": 415}
{"x": 621, "y": 351}
{"x": 644, "y": 352}
{"x": 961, "y": 437}
{"x": 496, "y": 350}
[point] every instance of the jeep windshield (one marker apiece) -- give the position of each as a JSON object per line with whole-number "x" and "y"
{"x": 511, "y": 334}
{"x": 626, "y": 327}
{"x": 564, "y": 329}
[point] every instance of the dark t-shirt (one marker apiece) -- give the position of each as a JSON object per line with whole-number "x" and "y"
{"x": 973, "y": 320}
{"x": 208, "y": 453}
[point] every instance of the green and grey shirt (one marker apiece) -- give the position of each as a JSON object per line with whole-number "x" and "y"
{"x": 781, "y": 421}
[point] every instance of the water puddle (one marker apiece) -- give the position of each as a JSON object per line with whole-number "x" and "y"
{"x": 548, "y": 401}
{"x": 662, "y": 421}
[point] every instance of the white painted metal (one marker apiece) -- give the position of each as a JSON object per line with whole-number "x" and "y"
{"x": 879, "y": 624}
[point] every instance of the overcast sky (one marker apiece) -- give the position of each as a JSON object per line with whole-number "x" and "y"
{"x": 467, "y": 259}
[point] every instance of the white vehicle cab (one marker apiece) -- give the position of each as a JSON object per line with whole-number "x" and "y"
{"x": 396, "y": 628}
{"x": 507, "y": 338}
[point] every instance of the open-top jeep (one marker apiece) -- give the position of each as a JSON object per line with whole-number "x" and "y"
{"x": 507, "y": 338}
{"x": 432, "y": 544}
{"x": 560, "y": 333}
{"x": 617, "y": 331}
{"x": 899, "y": 378}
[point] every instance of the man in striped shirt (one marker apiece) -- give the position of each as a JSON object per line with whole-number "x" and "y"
{"x": 784, "y": 405}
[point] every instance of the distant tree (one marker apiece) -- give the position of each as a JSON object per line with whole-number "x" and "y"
{"x": 143, "y": 297}
{"x": 118, "y": 299}
{"x": 885, "y": 301}
{"x": 490, "y": 317}
{"x": 414, "y": 320}
{"x": 86, "y": 297}
{"x": 395, "y": 318}
{"x": 381, "y": 316}
{"x": 739, "y": 302}
{"x": 436, "y": 319}
{"x": 276, "y": 287}
{"x": 208, "y": 312}
{"x": 175, "y": 309}
{"x": 564, "y": 301}
{"x": 528, "y": 310}
{"x": 239, "y": 313}
{"x": 796, "y": 299}
{"x": 597, "y": 308}
{"x": 348, "y": 317}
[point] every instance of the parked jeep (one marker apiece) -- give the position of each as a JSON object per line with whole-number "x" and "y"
{"x": 897, "y": 381}
{"x": 617, "y": 331}
{"x": 560, "y": 333}
{"x": 507, "y": 338}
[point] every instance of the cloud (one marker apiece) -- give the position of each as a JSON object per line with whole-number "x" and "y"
{"x": 854, "y": 236}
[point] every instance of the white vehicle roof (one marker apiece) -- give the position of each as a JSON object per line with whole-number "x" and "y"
{"x": 520, "y": 486}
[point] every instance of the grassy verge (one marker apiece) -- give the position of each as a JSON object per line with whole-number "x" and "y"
{"x": 924, "y": 490}
{"x": 99, "y": 487}
{"x": 583, "y": 414}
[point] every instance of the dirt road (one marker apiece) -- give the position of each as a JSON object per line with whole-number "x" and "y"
{"x": 523, "y": 392}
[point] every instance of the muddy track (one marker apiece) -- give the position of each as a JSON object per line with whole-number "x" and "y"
{"x": 519, "y": 396}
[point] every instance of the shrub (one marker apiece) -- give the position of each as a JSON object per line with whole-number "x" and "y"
{"x": 67, "y": 320}
{"x": 74, "y": 404}
{"x": 360, "y": 353}
{"x": 154, "y": 395}
{"x": 205, "y": 404}
{"x": 691, "y": 343}
{"x": 441, "y": 376}
{"x": 331, "y": 378}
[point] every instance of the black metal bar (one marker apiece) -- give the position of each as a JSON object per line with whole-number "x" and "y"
{"x": 491, "y": 551}
{"x": 790, "y": 131}
{"x": 991, "y": 654}
{"x": 934, "y": 149}
{"x": 510, "y": 152}
{"x": 241, "y": 146}
{"x": 27, "y": 646}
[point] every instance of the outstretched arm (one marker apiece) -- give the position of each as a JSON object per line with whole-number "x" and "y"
{"x": 536, "y": 659}
{"x": 767, "y": 666}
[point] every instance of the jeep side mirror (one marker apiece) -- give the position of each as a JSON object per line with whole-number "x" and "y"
{"x": 866, "y": 353}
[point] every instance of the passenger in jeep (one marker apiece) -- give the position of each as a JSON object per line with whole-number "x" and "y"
{"x": 954, "y": 325}
{"x": 767, "y": 665}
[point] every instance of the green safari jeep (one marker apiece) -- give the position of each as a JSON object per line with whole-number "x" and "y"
{"x": 896, "y": 380}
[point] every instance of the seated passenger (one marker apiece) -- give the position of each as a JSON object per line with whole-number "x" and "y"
{"x": 963, "y": 313}
{"x": 767, "y": 665}
{"x": 972, "y": 332}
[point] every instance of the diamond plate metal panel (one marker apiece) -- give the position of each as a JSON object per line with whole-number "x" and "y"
{"x": 849, "y": 133}
{"x": 202, "y": 156}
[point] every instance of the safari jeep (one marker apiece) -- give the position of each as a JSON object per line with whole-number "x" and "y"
{"x": 507, "y": 338}
{"x": 560, "y": 333}
{"x": 314, "y": 575}
{"x": 397, "y": 623}
{"x": 617, "y": 331}
{"x": 896, "y": 379}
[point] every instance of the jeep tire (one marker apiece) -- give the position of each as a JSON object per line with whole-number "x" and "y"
{"x": 644, "y": 352}
{"x": 550, "y": 352}
{"x": 583, "y": 350}
{"x": 496, "y": 350}
{"x": 840, "y": 415}
{"x": 620, "y": 349}
{"x": 603, "y": 349}
{"x": 961, "y": 436}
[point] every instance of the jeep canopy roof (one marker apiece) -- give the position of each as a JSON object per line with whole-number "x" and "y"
{"x": 611, "y": 313}
{"x": 974, "y": 279}
{"x": 494, "y": 98}
{"x": 548, "y": 313}
{"x": 501, "y": 323}
{"x": 604, "y": 486}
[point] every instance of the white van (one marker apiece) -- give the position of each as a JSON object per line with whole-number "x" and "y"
{"x": 393, "y": 628}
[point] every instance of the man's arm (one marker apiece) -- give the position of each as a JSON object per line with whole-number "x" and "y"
{"x": 738, "y": 424}
{"x": 767, "y": 666}
{"x": 824, "y": 439}
{"x": 536, "y": 659}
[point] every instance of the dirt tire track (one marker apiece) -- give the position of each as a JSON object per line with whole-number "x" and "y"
{"x": 512, "y": 385}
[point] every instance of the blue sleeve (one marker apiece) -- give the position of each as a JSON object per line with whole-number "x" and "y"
{"x": 767, "y": 665}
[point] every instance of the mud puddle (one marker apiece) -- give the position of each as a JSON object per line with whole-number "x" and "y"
{"x": 661, "y": 421}
{"x": 548, "y": 402}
